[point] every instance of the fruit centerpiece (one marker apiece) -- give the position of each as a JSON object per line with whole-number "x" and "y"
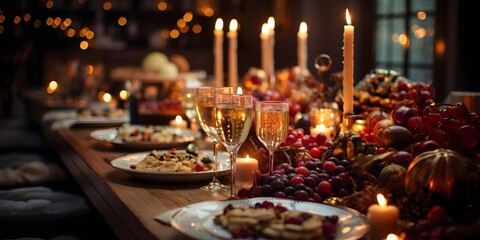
{"x": 423, "y": 156}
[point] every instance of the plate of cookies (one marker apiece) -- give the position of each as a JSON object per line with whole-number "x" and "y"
{"x": 173, "y": 165}
{"x": 269, "y": 218}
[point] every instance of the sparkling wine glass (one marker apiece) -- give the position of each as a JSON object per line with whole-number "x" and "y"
{"x": 271, "y": 126}
{"x": 189, "y": 106}
{"x": 205, "y": 99}
{"x": 233, "y": 117}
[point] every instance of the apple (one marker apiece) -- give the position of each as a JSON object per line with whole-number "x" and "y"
{"x": 402, "y": 114}
{"x": 374, "y": 117}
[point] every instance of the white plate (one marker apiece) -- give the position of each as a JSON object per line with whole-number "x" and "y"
{"x": 109, "y": 135}
{"x": 196, "y": 220}
{"x": 71, "y": 118}
{"x": 124, "y": 162}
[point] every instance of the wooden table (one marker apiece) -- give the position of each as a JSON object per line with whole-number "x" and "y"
{"x": 127, "y": 204}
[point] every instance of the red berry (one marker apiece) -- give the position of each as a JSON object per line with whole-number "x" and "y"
{"x": 198, "y": 168}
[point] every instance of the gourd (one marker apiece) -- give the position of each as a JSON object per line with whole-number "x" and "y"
{"x": 442, "y": 171}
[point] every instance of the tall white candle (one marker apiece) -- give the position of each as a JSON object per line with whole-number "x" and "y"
{"x": 218, "y": 52}
{"x": 348, "y": 33}
{"x": 383, "y": 218}
{"x": 302, "y": 46}
{"x": 265, "y": 43}
{"x": 232, "y": 54}
{"x": 271, "y": 73}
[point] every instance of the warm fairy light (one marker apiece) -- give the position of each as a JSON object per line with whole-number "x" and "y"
{"x": 184, "y": 29}
{"x": 421, "y": 15}
{"x": 49, "y": 21}
{"x": 303, "y": 27}
{"x": 197, "y": 28}
{"x": 208, "y": 11}
{"x": 174, "y": 33}
{"x": 271, "y": 23}
{"x": 188, "y": 16}
{"x": 89, "y": 69}
{"x": 347, "y": 16}
{"x": 107, "y": 5}
{"x": 123, "y": 94}
{"x": 233, "y": 25}
{"x": 403, "y": 40}
{"x": 219, "y": 24}
{"x": 67, "y": 22}
{"x": 52, "y": 87}
{"x": 70, "y": 32}
{"x": 57, "y": 21}
{"x": 382, "y": 201}
{"x": 27, "y": 17}
{"x": 17, "y": 19}
{"x": 49, "y": 4}
{"x": 90, "y": 35}
{"x": 83, "y": 32}
{"x": 37, "y": 23}
{"x": 122, "y": 21}
{"x": 178, "y": 119}
{"x": 84, "y": 45}
{"x": 107, "y": 97}
{"x": 239, "y": 90}
{"x": 162, "y": 6}
{"x": 181, "y": 23}
{"x": 265, "y": 29}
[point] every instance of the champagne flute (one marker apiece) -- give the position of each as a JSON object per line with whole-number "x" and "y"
{"x": 271, "y": 126}
{"x": 205, "y": 97}
{"x": 233, "y": 117}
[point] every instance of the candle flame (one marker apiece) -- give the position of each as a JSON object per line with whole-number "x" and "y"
{"x": 178, "y": 119}
{"x": 52, "y": 87}
{"x": 123, "y": 94}
{"x": 107, "y": 97}
{"x": 233, "y": 25}
{"x": 382, "y": 201}
{"x": 247, "y": 158}
{"x": 392, "y": 236}
{"x": 303, "y": 27}
{"x": 271, "y": 23}
{"x": 219, "y": 24}
{"x": 239, "y": 90}
{"x": 265, "y": 29}
{"x": 347, "y": 16}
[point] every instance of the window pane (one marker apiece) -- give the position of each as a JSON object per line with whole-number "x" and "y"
{"x": 421, "y": 40}
{"x": 397, "y": 52}
{"x": 398, "y": 6}
{"x": 383, "y": 40}
{"x": 420, "y": 75}
{"x": 390, "y": 6}
{"x": 423, "y": 5}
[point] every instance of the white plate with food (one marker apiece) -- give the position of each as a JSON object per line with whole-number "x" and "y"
{"x": 153, "y": 168}
{"x": 197, "y": 220}
{"x": 139, "y": 137}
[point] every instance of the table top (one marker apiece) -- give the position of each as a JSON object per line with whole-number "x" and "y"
{"x": 127, "y": 204}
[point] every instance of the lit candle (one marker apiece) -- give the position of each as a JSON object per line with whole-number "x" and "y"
{"x": 383, "y": 219}
{"x": 348, "y": 33}
{"x": 52, "y": 87}
{"x": 245, "y": 169}
{"x": 271, "y": 59}
{"x": 178, "y": 122}
{"x": 302, "y": 46}
{"x": 218, "y": 52}
{"x": 321, "y": 128}
{"x": 232, "y": 54}
{"x": 265, "y": 38}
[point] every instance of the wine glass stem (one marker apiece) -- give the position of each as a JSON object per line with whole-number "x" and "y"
{"x": 270, "y": 160}
{"x": 233, "y": 167}
{"x": 215, "y": 161}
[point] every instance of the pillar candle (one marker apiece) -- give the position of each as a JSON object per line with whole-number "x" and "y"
{"x": 302, "y": 46}
{"x": 348, "y": 34}
{"x": 218, "y": 52}
{"x": 245, "y": 168}
{"x": 265, "y": 43}
{"x": 232, "y": 54}
{"x": 383, "y": 218}
{"x": 271, "y": 59}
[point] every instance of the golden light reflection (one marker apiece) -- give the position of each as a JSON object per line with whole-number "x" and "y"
{"x": 162, "y": 6}
{"x": 271, "y": 23}
{"x": 233, "y": 25}
{"x": 178, "y": 120}
{"x": 122, "y": 21}
{"x": 208, "y": 11}
{"x": 421, "y": 15}
{"x": 188, "y": 16}
{"x": 57, "y": 21}
{"x": 70, "y": 32}
{"x": 90, "y": 35}
{"x": 83, "y": 45}
{"x": 107, "y": 97}
{"x": 124, "y": 94}
{"x": 89, "y": 69}
{"x": 107, "y": 5}
{"x": 239, "y": 90}
{"x": 17, "y": 19}
{"x": 303, "y": 27}
{"x": 181, "y": 23}
{"x": 83, "y": 32}
{"x": 49, "y": 21}
{"x": 420, "y": 33}
{"x": 392, "y": 236}
{"x": 49, "y": 4}
{"x": 197, "y": 28}
{"x": 403, "y": 40}
{"x": 67, "y": 22}
{"x": 27, "y": 17}
{"x": 174, "y": 33}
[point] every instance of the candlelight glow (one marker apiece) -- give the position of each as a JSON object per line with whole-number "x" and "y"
{"x": 347, "y": 16}
{"x": 52, "y": 87}
{"x": 271, "y": 23}
{"x": 392, "y": 236}
{"x": 107, "y": 97}
{"x": 123, "y": 94}
{"x": 233, "y": 25}
{"x": 219, "y": 24}
{"x": 382, "y": 201}
{"x": 178, "y": 119}
{"x": 239, "y": 90}
{"x": 265, "y": 29}
{"x": 303, "y": 27}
